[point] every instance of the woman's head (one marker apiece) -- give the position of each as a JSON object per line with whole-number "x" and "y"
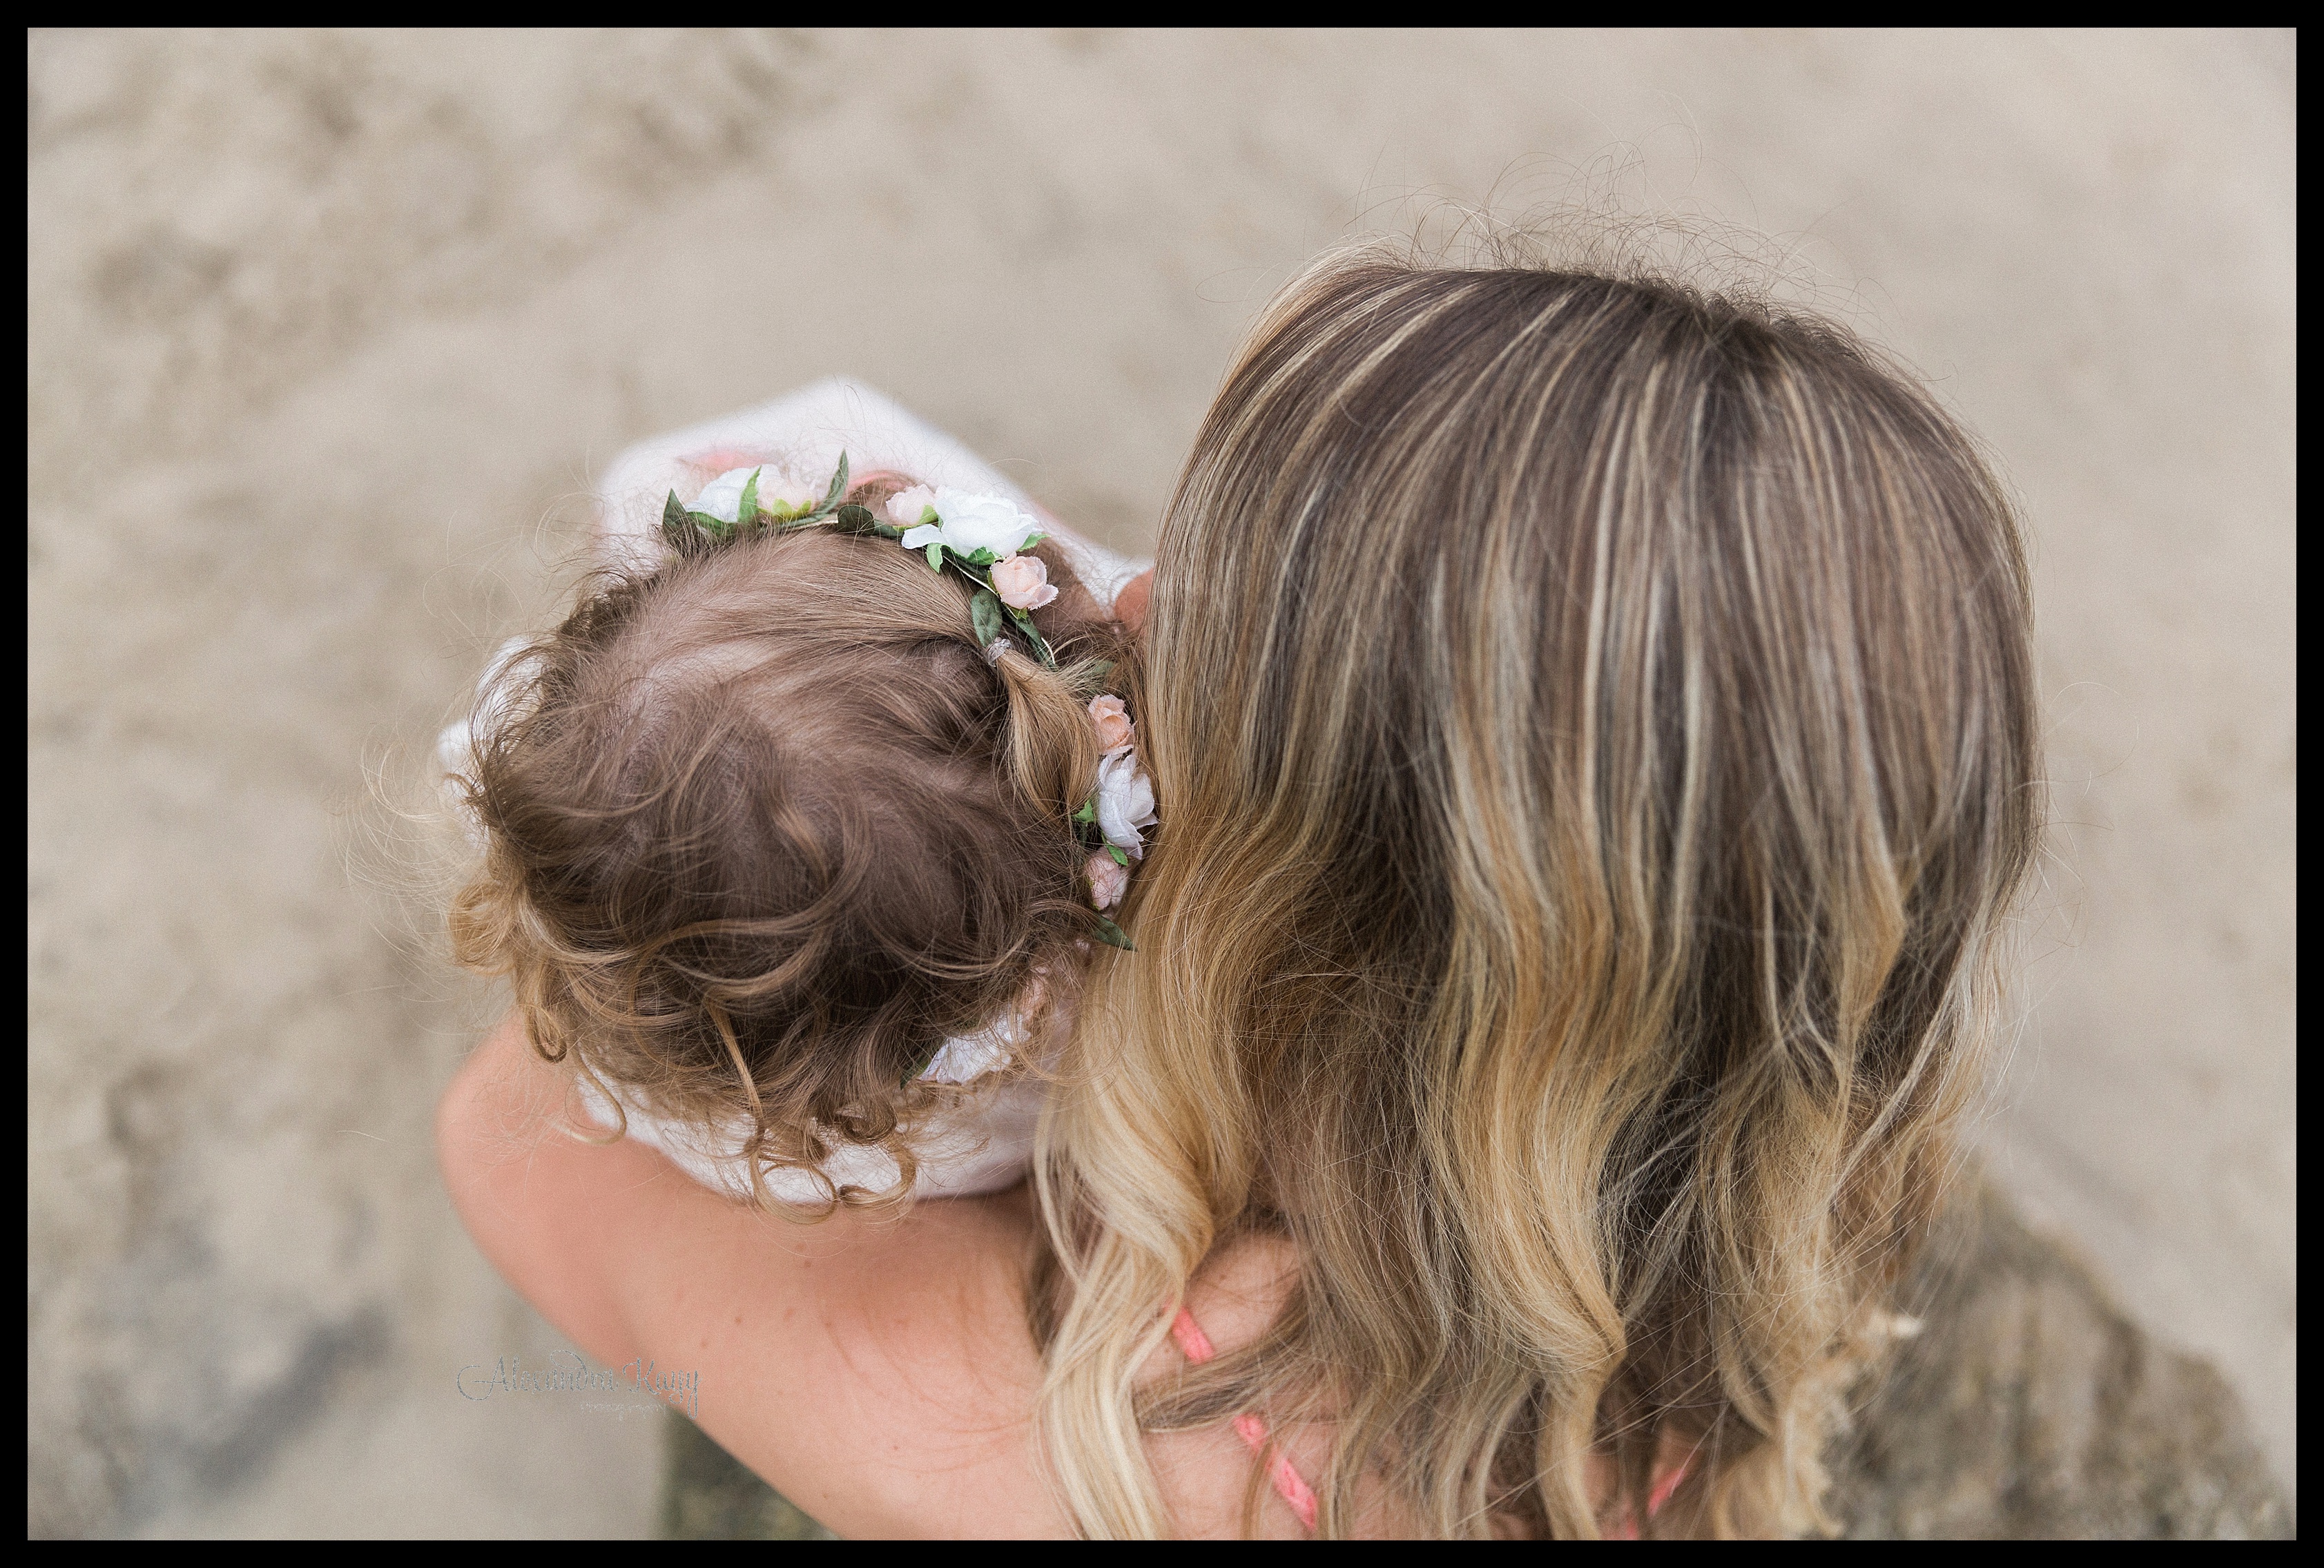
{"x": 1594, "y": 728}
{"x": 764, "y": 825}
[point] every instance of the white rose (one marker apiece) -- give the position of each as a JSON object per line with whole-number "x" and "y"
{"x": 1125, "y": 802}
{"x": 904, "y": 507}
{"x": 722, "y": 498}
{"x": 798, "y": 498}
{"x": 966, "y": 523}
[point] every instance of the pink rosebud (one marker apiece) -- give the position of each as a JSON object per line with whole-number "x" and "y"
{"x": 906, "y": 507}
{"x": 1108, "y": 882}
{"x": 1023, "y": 583}
{"x": 1114, "y": 729}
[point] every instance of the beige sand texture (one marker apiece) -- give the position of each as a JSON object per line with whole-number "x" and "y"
{"x": 328, "y": 332}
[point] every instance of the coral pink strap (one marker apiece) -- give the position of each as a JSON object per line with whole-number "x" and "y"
{"x": 1627, "y": 1530}
{"x": 1195, "y": 1345}
{"x": 1667, "y": 1485}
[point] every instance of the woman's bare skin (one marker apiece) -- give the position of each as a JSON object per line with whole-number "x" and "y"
{"x": 879, "y": 1371}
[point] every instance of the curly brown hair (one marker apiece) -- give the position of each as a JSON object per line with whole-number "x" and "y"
{"x": 763, "y": 827}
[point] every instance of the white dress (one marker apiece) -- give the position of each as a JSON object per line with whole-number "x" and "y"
{"x": 987, "y": 1145}
{"x": 801, "y": 434}
{"x": 983, "y": 1147}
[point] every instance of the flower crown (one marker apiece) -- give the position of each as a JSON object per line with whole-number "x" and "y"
{"x": 981, "y": 539}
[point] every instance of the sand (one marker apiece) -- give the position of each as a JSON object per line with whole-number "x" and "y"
{"x": 328, "y": 332}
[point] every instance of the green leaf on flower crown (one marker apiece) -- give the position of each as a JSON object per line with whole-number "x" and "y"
{"x": 1119, "y": 858}
{"x": 981, "y": 556}
{"x": 838, "y": 487}
{"x": 1031, "y": 540}
{"x": 1024, "y": 619}
{"x": 936, "y": 556}
{"x": 985, "y": 615}
{"x": 928, "y": 515}
{"x": 1112, "y": 935}
{"x": 715, "y": 527}
{"x": 746, "y": 511}
{"x": 677, "y": 527}
{"x": 1088, "y": 813}
{"x": 853, "y": 518}
{"x": 1041, "y": 648}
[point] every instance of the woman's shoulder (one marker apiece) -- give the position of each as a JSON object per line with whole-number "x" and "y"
{"x": 1203, "y": 1475}
{"x": 1233, "y": 1300}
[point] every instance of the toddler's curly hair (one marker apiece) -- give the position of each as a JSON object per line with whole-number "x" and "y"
{"x": 764, "y": 827}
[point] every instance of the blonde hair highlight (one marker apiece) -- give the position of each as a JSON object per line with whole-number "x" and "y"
{"x": 1593, "y": 726}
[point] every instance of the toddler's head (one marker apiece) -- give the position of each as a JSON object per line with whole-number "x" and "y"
{"x": 767, "y": 824}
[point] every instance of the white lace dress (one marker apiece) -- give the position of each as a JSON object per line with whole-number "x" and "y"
{"x": 982, "y": 1148}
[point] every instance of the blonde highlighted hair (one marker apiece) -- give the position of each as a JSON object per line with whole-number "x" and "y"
{"x": 1594, "y": 730}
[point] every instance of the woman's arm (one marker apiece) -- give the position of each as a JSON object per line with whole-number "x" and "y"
{"x": 878, "y": 1371}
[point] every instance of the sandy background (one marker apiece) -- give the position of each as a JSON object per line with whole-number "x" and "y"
{"x": 329, "y": 332}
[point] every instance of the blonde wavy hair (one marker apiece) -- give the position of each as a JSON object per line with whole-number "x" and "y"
{"x": 1594, "y": 728}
